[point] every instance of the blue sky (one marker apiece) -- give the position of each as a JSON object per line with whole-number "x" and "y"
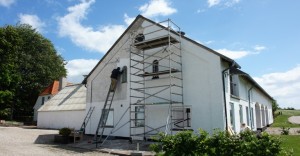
{"x": 263, "y": 36}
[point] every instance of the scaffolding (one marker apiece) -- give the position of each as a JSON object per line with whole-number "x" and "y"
{"x": 156, "y": 79}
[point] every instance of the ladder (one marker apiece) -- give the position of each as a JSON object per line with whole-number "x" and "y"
{"x": 104, "y": 115}
{"x": 87, "y": 119}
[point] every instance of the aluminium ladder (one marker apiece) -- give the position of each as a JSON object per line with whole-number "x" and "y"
{"x": 87, "y": 119}
{"x": 104, "y": 115}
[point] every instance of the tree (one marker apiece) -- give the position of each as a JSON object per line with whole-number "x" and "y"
{"x": 29, "y": 63}
{"x": 275, "y": 107}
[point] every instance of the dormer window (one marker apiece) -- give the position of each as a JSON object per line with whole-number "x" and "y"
{"x": 155, "y": 69}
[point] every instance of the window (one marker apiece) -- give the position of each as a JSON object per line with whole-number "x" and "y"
{"x": 43, "y": 100}
{"x": 139, "y": 116}
{"x": 232, "y": 116}
{"x": 241, "y": 114}
{"x": 124, "y": 74}
{"x": 155, "y": 69}
{"x": 110, "y": 117}
{"x": 233, "y": 86}
{"x": 181, "y": 117}
{"x": 49, "y": 97}
{"x": 188, "y": 117}
{"x": 247, "y": 115}
{"x": 251, "y": 117}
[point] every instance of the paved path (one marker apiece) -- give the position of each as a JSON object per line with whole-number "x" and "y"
{"x": 293, "y": 131}
{"x": 16, "y": 141}
{"x": 294, "y": 119}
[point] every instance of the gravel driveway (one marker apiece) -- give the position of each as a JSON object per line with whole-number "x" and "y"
{"x": 16, "y": 141}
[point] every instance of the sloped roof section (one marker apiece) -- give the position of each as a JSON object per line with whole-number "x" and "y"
{"x": 52, "y": 89}
{"x": 136, "y": 22}
{"x": 70, "y": 98}
{"x": 250, "y": 79}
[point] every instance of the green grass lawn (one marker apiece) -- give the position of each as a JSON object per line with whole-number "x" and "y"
{"x": 282, "y": 120}
{"x": 291, "y": 142}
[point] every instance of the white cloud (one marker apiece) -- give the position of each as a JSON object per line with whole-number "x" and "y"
{"x": 6, "y": 3}
{"x": 226, "y": 3}
{"x": 99, "y": 40}
{"x": 209, "y": 42}
{"x": 157, "y": 8}
{"x": 78, "y": 67}
{"x": 128, "y": 20}
{"x": 231, "y": 3}
{"x": 234, "y": 54}
{"x": 213, "y": 2}
{"x": 283, "y": 86}
{"x": 259, "y": 48}
{"x": 200, "y": 11}
{"x": 32, "y": 20}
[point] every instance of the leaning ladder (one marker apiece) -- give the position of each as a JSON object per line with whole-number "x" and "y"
{"x": 87, "y": 119}
{"x": 104, "y": 115}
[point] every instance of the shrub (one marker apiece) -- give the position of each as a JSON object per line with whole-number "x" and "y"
{"x": 221, "y": 143}
{"x": 65, "y": 131}
{"x": 285, "y": 131}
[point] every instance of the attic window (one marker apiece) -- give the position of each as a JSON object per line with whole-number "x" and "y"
{"x": 139, "y": 38}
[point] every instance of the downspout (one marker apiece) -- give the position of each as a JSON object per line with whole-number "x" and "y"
{"x": 224, "y": 93}
{"x": 249, "y": 110}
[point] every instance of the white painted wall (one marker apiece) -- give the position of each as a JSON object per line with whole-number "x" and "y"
{"x": 60, "y": 119}
{"x": 38, "y": 105}
{"x": 202, "y": 89}
{"x": 258, "y": 100}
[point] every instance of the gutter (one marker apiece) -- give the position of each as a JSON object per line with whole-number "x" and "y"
{"x": 224, "y": 92}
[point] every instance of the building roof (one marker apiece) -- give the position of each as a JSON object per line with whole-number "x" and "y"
{"x": 250, "y": 79}
{"x": 70, "y": 98}
{"x": 52, "y": 89}
{"x": 140, "y": 17}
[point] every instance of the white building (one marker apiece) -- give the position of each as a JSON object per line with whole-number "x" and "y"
{"x": 65, "y": 109}
{"x": 44, "y": 96}
{"x": 170, "y": 83}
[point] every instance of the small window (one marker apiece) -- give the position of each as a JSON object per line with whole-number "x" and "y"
{"x": 124, "y": 74}
{"x": 181, "y": 117}
{"x": 251, "y": 117}
{"x": 241, "y": 114}
{"x": 247, "y": 115}
{"x": 155, "y": 69}
{"x": 139, "y": 38}
{"x": 188, "y": 117}
{"x": 233, "y": 86}
{"x": 43, "y": 100}
{"x": 110, "y": 117}
{"x": 232, "y": 116}
{"x": 139, "y": 116}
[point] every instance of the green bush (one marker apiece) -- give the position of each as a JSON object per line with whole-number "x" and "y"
{"x": 65, "y": 131}
{"x": 221, "y": 143}
{"x": 285, "y": 131}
